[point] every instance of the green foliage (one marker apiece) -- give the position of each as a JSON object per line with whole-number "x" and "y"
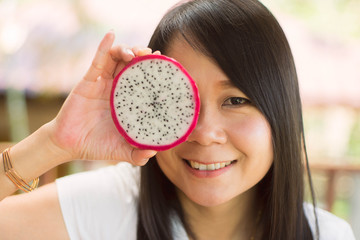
{"x": 354, "y": 141}
{"x": 341, "y": 208}
{"x": 333, "y": 17}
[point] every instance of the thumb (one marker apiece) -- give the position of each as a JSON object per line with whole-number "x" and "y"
{"x": 141, "y": 157}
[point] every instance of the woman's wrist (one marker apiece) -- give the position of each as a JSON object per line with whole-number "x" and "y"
{"x": 31, "y": 158}
{"x": 37, "y": 154}
{"x": 59, "y": 154}
{"x": 6, "y": 185}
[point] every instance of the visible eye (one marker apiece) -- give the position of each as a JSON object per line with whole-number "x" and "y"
{"x": 235, "y": 101}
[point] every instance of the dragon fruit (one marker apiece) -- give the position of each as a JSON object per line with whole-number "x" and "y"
{"x": 154, "y": 102}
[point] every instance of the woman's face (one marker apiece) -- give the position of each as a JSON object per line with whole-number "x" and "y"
{"x": 229, "y": 130}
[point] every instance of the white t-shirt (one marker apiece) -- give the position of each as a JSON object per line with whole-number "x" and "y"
{"x": 102, "y": 204}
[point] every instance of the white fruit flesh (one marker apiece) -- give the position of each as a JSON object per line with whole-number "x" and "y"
{"x": 154, "y": 102}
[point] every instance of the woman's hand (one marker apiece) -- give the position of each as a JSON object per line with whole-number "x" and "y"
{"x": 84, "y": 127}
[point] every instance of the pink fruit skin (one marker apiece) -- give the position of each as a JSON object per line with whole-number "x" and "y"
{"x": 196, "y": 112}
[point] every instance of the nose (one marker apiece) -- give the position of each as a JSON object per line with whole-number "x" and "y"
{"x": 209, "y": 129}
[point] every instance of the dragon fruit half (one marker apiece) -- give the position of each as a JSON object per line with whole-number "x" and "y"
{"x": 154, "y": 102}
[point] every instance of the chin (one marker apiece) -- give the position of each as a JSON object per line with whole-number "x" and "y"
{"x": 208, "y": 199}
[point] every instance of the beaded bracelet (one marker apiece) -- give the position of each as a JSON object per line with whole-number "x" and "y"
{"x": 14, "y": 176}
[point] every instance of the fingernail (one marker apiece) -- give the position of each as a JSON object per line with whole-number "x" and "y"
{"x": 150, "y": 154}
{"x": 130, "y": 52}
{"x": 111, "y": 31}
{"x": 143, "y": 161}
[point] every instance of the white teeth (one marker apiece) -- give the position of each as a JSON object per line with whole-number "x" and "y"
{"x": 196, "y": 165}
{"x": 209, "y": 167}
{"x": 202, "y": 167}
{"x": 217, "y": 165}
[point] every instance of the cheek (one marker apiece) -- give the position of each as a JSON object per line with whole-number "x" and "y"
{"x": 252, "y": 136}
{"x": 168, "y": 164}
{"x": 163, "y": 160}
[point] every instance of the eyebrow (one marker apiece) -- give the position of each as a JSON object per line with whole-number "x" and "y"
{"x": 226, "y": 84}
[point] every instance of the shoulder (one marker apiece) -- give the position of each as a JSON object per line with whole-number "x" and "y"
{"x": 331, "y": 227}
{"x": 116, "y": 180}
{"x": 100, "y": 204}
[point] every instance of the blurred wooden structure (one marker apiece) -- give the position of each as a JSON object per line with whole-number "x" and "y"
{"x": 332, "y": 171}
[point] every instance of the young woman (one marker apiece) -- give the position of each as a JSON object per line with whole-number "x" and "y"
{"x": 250, "y": 115}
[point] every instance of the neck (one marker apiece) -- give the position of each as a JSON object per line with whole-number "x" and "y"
{"x": 235, "y": 219}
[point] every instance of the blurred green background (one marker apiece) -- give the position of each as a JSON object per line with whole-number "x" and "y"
{"x": 47, "y": 45}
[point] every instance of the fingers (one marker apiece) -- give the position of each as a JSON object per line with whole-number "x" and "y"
{"x": 101, "y": 58}
{"x": 141, "y": 157}
{"x": 141, "y": 51}
{"x": 121, "y": 53}
{"x": 108, "y": 60}
{"x": 124, "y": 53}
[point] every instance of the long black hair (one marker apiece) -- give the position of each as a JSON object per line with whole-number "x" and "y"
{"x": 248, "y": 44}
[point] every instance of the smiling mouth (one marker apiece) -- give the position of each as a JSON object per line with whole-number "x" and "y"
{"x": 208, "y": 167}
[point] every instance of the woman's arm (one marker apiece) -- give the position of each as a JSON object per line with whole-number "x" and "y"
{"x": 31, "y": 158}
{"x": 83, "y": 129}
{"x": 35, "y": 215}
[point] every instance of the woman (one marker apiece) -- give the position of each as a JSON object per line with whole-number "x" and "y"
{"x": 250, "y": 115}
